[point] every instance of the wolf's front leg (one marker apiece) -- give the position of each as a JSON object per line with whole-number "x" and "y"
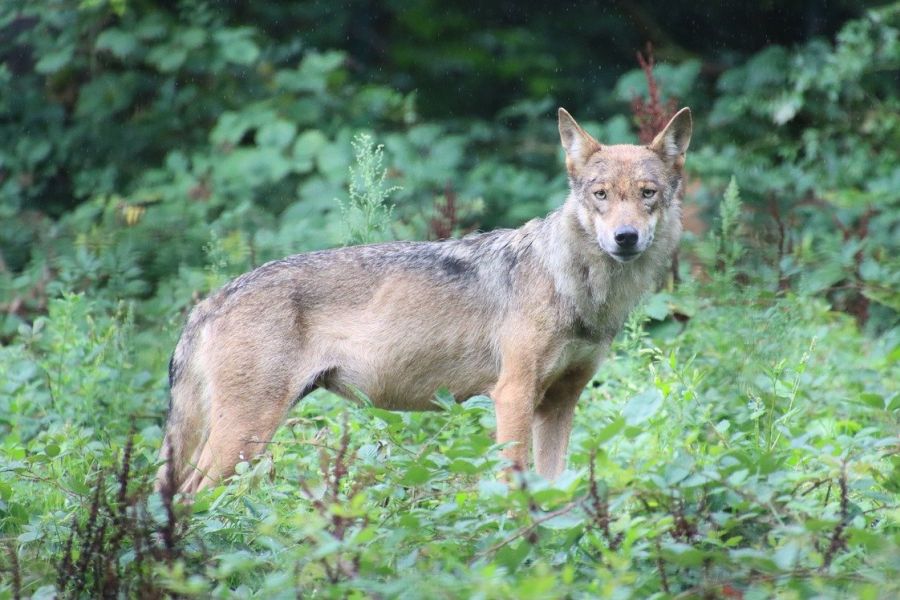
{"x": 515, "y": 396}
{"x": 514, "y": 407}
{"x": 553, "y": 420}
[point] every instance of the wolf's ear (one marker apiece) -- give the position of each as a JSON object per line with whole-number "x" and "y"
{"x": 577, "y": 143}
{"x": 672, "y": 142}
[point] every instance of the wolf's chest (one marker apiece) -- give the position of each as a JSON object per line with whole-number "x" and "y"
{"x": 573, "y": 353}
{"x": 608, "y": 298}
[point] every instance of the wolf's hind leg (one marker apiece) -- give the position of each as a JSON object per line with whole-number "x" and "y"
{"x": 185, "y": 429}
{"x": 243, "y": 421}
{"x": 232, "y": 439}
{"x": 553, "y": 421}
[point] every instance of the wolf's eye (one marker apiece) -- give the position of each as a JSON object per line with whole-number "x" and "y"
{"x": 600, "y": 194}
{"x": 648, "y": 193}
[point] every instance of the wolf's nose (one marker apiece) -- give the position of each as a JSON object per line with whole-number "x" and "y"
{"x": 626, "y": 237}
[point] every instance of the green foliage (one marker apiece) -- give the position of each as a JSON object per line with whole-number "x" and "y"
{"x": 741, "y": 440}
{"x": 725, "y": 246}
{"x": 816, "y": 132}
{"x": 676, "y": 81}
{"x": 366, "y": 216}
{"x": 729, "y": 214}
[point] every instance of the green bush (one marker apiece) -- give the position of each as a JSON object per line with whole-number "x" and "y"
{"x": 739, "y": 442}
{"x": 816, "y": 131}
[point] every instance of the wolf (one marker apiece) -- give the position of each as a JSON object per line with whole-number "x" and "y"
{"x": 521, "y": 315}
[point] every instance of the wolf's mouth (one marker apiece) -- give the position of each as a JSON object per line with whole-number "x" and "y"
{"x": 625, "y": 256}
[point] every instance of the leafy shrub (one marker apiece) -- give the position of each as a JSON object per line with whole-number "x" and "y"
{"x": 739, "y": 442}
{"x": 815, "y": 130}
{"x": 366, "y": 216}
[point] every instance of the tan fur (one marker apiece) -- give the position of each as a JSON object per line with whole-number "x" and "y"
{"x": 523, "y": 315}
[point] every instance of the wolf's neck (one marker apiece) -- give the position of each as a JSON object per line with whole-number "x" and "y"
{"x": 579, "y": 268}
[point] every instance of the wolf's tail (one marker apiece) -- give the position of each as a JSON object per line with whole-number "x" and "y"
{"x": 187, "y": 425}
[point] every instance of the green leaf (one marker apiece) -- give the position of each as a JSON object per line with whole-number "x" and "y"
{"x": 873, "y": 400}
{"x": 567, "y": 520}
{"x": 54, "y": 61}
{"x": 610, "y": 431}
{"x": 306, "y": 148}
{"x": 887, "y": 297}
{"x": 313, "y": 73}
{"x": 513, "y": 555}
{"x": 416, "y": 475}
{"x": 117, "y": 42}
{"x": 237, "y": 45}
{"x": 738, "y": 477}
{"x": 786, "y": 107}
{"x": 253, "y": 167}
{"x": 231, "y": 126}
{"x": 657, "y": 306}
{"x": 30, "y": 536}
{"x": 869, "y": 540}
{"x": 388, "y": 416}
{"x": 682, "y": 554}
{"x": 167, "y": 59}
{"x": 823, "y": 277}
{"x": 643, "y": 406}
{"x": 191, "y": 38}
{"x": 464, "y": 467}
{"x": 786, "y": 556}
{"x": 277, "y": 134}
{"x": 333, "y": 160}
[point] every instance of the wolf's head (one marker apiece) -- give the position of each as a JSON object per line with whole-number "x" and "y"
{"x": 620, "y": 191}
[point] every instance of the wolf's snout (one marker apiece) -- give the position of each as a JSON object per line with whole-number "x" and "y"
{"x": 626, "y": 237}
